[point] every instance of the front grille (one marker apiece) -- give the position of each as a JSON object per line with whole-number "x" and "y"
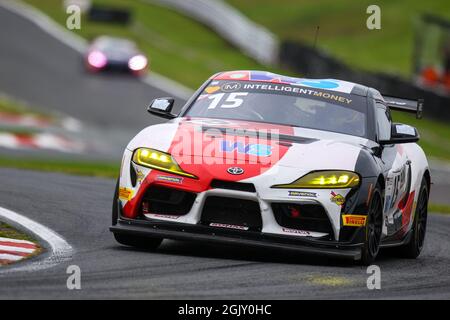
{"x": 232, "y": 211}
{"x": 161, "y": 200}
{"x": 231, "y": 185}
{"x": 309, "y": 217}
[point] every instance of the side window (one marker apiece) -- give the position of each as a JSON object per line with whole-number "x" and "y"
{"x": 383, "y": 122}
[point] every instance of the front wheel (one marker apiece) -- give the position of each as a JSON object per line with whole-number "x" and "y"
{"x": 372, "y": 241}
{"x": 412, "y": 249}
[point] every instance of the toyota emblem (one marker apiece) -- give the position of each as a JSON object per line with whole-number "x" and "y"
{"x": 235, "y": 170}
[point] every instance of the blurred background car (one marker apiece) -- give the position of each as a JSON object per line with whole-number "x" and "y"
{"x": 115, "y": 54}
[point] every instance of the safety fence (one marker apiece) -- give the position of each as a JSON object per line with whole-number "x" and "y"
{"x": 251, "y": 38}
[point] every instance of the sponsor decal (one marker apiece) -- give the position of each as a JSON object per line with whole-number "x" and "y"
{"x": 125, "y": 193}
{"x": 302, "y": 194}
{"x": 238, "y": 75}
{"x": 212, "y": 89}
{"x": 297, "y": 90}
{"x": 164, "y": 216}
{"x": 353, "y": 220}
{"x": 235, "y": 171}
{"x": 254, "y": 149}
{"x": 337, "y": 198}
{"x": 296, "y": 231}
{"x": 231, "y": 86}
{"x": 169, "y": 179}
{"x": 320, "y": 84}
{"x": 140, "y": 176}
{"x": 327, "y": 84}
{"x": 228, "y": 226}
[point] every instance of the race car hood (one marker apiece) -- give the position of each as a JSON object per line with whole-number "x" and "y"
{"x": 216, "y": 142}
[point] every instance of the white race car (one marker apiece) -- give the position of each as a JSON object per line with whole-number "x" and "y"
{"x": 266, "y": 160}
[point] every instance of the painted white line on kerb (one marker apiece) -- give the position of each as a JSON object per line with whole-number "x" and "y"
{"x": 80, "y": 45}
{"x": 16, "y": 249}
{"x": 10, "y": 257}
{"x": 16, "y": 241}
{"x": 60, "y": 250}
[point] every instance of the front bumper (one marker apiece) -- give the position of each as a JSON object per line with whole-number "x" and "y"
{"x": 184, "y": 231}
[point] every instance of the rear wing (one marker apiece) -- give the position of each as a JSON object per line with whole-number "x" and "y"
{"x": 406, "y": 105}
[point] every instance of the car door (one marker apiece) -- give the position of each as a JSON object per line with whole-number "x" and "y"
{"x": 397, "y": 173}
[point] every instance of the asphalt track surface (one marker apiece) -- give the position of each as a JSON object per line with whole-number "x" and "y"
{"x": 46, "y": 73}
{"x": 39, "y": 69}
{"x": 79, "y": 209}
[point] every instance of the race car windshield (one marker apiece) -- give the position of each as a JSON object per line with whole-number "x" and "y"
{"x": 282, "y": 104}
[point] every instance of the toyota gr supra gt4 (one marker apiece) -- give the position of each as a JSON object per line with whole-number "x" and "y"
{"x": 265, "y": 160}
{"x": 115, "y": 54}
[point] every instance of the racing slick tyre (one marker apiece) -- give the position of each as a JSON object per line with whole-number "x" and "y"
{"x": 412, "y": 249}
{"x": 372, "y": 241}
{"x": 128, "y": 240}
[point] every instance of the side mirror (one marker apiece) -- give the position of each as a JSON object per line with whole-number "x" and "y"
{"x": 402, "y": 133}
{"x": 162, "y": 107}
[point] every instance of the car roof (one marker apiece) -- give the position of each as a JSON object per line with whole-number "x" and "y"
{"x": 326, "y": 84}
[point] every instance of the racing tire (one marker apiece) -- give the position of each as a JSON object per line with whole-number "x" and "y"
{"x": 373, "y": 230}
{"x": 412, "y": 249}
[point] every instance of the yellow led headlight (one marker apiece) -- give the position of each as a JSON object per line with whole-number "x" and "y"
{"x": 324, "y": 180}
{"x": 159, "y": 160}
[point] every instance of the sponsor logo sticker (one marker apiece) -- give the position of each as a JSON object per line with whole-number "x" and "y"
{"x": 302, "y": 194}
{"x": 212, "y": 89}
{"x": 125, "y": 193}
{"x": 353, "y": 220}
{"x": 228, "y": 226}
{"x": 231, "y": 86}
{"x": 337, "y": 198}
{"x": 296, "y": 231}
{"x": 169, "y": 179}
{"x": 254, "y": 149}
{"x": 163, "y": 216}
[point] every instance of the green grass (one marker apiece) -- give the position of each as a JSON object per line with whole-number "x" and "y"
{"x": 13, "y": 107}
{"x": 343, "y": 31}
{"x": 84, "y": 168}
{"x": 178, "y": 47}
{"x": 6, "y": 231}
{"x": 189, "y": 52}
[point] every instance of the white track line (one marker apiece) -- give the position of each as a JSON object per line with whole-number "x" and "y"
{"x": 60, "y": 250}
{"x": 16, "y": 241}
{"x": 80, "y": 45}
{"x": 16, "y": 249}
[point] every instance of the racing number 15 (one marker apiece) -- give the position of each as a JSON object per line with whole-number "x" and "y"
{"x": 232, "y": 101}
